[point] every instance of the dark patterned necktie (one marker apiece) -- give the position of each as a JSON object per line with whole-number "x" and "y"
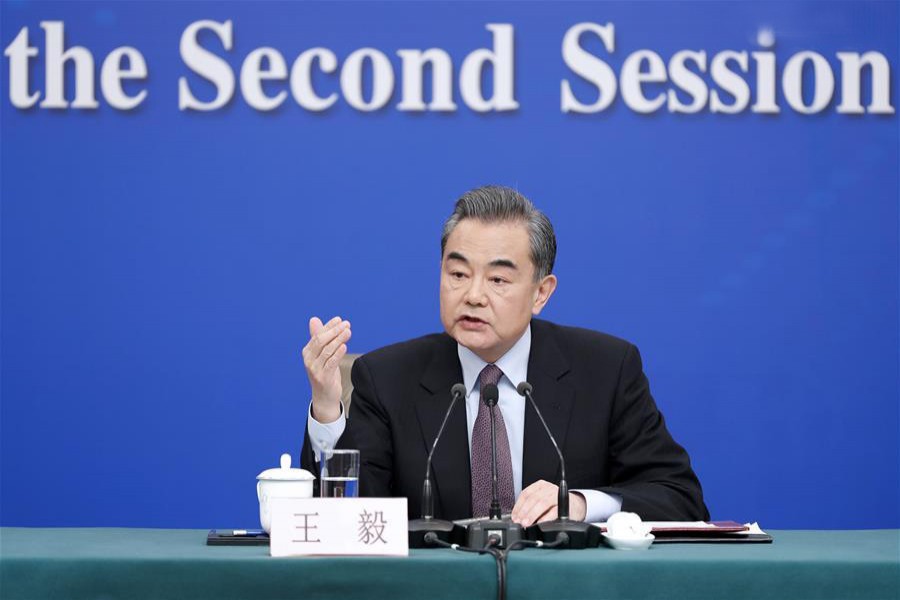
{"x": 481, "y": 454}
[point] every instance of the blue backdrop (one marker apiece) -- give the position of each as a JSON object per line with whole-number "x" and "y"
{"x": 159, "y": 266}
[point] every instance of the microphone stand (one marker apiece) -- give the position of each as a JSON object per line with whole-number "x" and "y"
{"x": 418, "y": 529}
{"x": 495, "y": 531}
{"x": 580, "y": 534}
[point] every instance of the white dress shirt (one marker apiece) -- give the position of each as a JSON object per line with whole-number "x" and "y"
{"x": 514, "y": 365}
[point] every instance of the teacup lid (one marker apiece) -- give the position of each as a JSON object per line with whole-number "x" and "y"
{"x": 286, "y": 473}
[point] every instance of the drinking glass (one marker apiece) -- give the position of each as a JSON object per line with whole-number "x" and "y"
{"x": 339, "y": 474}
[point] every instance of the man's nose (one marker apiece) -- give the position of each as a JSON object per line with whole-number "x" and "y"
{"x": 475, "y": 295}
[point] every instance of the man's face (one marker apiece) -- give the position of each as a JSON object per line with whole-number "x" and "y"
{"x": 488, "y": 291}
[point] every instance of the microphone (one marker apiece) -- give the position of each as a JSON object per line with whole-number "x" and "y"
{"x": 562, "y": 508}
{"x": 419, "y": 529}
{"x": 580, "y": 535}
{"x": 493, "y": 531}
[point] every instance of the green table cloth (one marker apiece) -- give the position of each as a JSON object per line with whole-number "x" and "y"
{"x": 161, "y": 564}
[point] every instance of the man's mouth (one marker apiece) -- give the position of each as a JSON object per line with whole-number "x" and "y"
{"x": 472, "y": 320}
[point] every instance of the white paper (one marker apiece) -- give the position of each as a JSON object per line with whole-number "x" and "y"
{"x": 753, "y": 528}
{"x": 673, "y": 524}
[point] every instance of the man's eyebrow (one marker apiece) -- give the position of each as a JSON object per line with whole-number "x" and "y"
{"x": 497, "y": 262}
{"x": 504, "y": 262}
{"x": 457, "y": 256}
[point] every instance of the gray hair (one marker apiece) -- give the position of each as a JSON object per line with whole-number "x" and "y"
{"x": 497, "y": 204}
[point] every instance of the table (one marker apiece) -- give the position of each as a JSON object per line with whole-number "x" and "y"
{"x": 167, "y": 563}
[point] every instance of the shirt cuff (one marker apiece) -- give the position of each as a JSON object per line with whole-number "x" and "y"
{"x": 600, "y": 505}
{"x": 324, "y": 436}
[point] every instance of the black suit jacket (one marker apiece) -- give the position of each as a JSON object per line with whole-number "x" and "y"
{"x": 590, "y": 388}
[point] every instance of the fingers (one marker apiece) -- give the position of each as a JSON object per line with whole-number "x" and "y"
{"x": 334, "y": 328}
{"x": 335, "y": 359}
{"x": 324, "y": 340}
{"x": 315, "y": 324}
{"x": 577, "y": 508}
{"x": 550, "y": 515}
{"x": 338, "y": 340}
{"x": 536, "y": 503}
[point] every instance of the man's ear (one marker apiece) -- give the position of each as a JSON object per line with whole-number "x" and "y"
{"x": 544, "y": 290}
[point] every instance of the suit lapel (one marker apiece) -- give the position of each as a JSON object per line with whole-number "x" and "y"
{"x": 450, "y": 466}
{"x": 547, "y": 367}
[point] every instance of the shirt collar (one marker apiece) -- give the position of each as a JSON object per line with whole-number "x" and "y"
{"x": 514, "y": 363}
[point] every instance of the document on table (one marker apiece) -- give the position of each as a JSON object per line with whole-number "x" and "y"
{"x": 692, "y": 526}
{"x": 701, "y": 532}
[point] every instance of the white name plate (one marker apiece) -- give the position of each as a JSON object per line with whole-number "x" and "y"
{"x": 338, "y": 526}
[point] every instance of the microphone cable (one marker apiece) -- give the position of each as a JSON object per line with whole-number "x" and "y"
{"x": 501, "y": 556}
{"x": 562, "y": 539}
{"x": 489, "y": 548}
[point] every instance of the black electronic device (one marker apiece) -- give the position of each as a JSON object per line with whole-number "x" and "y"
{"x": 580, "y": 535}
{"x": 495, "y": 530}
{"x": 427, "y": 523}
{"x": 237, "y": 537}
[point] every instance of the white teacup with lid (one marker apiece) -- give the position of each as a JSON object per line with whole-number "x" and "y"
{"x": 284, "y": 482}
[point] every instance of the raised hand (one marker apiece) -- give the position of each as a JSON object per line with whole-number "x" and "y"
{"x": 322, "y": 357}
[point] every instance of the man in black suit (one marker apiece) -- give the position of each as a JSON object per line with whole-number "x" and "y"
{"x": 496, "y": 276}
